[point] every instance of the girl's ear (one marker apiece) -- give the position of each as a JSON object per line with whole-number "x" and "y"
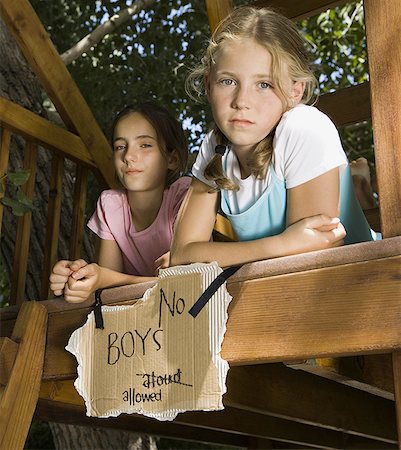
{"x": 173, "y": 160}
{"x": 298, "y": 89}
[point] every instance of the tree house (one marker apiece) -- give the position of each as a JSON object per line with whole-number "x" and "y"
{"x": 313, "y": 340}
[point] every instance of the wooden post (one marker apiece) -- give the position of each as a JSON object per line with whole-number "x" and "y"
{"x": 383, "y": 31}
{"x": 217, "y": 10}
{"x": 18, "y": 401}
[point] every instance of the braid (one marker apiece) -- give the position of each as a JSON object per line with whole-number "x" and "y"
{"x": 214, "y": 170}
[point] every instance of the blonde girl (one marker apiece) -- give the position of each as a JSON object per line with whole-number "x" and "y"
{"x": 134, "y": 224}
{"x": 273, "y": 165}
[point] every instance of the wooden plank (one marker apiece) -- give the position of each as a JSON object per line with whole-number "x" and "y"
{"x": 32, "y": 127}
{"x": 316, "y": 314}
{"x": 217, "y": 10}
{"x": 53, "y": 222}
{"x": 383, "y": 28}
{"x": 20, "y": 396}
{"x": 300, "y": 9}
{"x": 4, "y": 156}
{"x": 20, "y": 263}
{"x": 78, "y": 213}
{"x": 347, "y": 106}
{"x": 233, "y": 420}
{"x": 45, "y": 61}
{"x": 8, "y": 353}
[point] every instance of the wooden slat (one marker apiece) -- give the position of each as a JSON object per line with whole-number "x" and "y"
{"x": 300, "y": 9}
{"x": 347, "y": 106}
{"x": 20, "y": 263}
{"x": 4, "y": 156}
{"x": 383, "y": 29}
{"x": 370, "y": 373}
{"x": 20, "y": 396}
{"x": 53, "y": 222}
{"x": 45, "y": 61}
{"x": 217, "y": 10}
{"x": 78, "y": 213}
{"x": 35, "y": 128}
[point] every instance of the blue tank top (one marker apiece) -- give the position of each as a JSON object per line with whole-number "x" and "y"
{"x": 267, "y": 216}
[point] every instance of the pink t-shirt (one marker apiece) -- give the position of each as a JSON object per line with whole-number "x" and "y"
{"x": 112, "y": 220}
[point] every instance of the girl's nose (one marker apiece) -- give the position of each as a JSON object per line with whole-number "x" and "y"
{"x": 241, "y": 98}
{"x": 131, "y": 155}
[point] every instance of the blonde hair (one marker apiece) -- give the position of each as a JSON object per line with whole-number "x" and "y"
{"x": 287, "y": 48}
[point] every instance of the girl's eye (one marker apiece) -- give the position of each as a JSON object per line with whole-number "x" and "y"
{"x": 227, "y": 82}
{"x": 119, "y": 147}
{"x": 146, "y": 145}
{"x": 265, "y": 85}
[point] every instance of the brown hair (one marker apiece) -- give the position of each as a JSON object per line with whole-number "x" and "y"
{"x": 279, "y": 36}
{"x": 169, "y": 132}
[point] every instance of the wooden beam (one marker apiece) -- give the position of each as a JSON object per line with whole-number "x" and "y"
{"x": 35, "y": 128}
{"x": 383, "y": 28}
{"x": 300, "y": 9}
{"x": 45, "y": 61}
{"x": 20, "y": 396}
{"x": 370, "y": 373}
{"x": 347, "y": 106}
{"x": 295, "y": 395}
{"x": 322, "y": 308}
{"x": 217, "y": 10}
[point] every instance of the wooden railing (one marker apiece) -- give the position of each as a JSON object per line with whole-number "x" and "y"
{"x": 37, "y": 131}
{"x": 82, "y": 142}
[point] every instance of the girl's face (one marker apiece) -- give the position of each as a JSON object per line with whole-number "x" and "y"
{"x": 244, "y": 102}
{"x": 138, "y": 159}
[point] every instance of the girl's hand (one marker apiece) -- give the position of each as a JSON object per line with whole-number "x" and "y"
{"x": 313, "y": 233}
{"x": 82, "y": 282}
{"x": 59, "y": 276}
{"x": 162, "y": 262}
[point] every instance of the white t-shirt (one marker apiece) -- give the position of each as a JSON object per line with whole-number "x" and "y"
{"x": 306, "y": 144}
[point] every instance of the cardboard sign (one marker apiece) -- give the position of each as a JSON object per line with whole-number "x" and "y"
{"x": 153, "y": 357}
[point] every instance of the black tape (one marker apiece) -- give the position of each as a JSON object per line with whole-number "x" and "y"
{"x": 209, "y": 292}
{"x": 97, "y": 309}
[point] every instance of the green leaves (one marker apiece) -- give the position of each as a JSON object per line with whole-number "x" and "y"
{"x": 21, "y": 204}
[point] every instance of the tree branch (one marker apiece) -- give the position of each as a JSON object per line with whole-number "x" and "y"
{"x": 90, "y": 40}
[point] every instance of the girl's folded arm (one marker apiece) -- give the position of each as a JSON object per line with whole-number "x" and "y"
{"x": 195, "y": 222}
{"x": 310, "y": 227}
